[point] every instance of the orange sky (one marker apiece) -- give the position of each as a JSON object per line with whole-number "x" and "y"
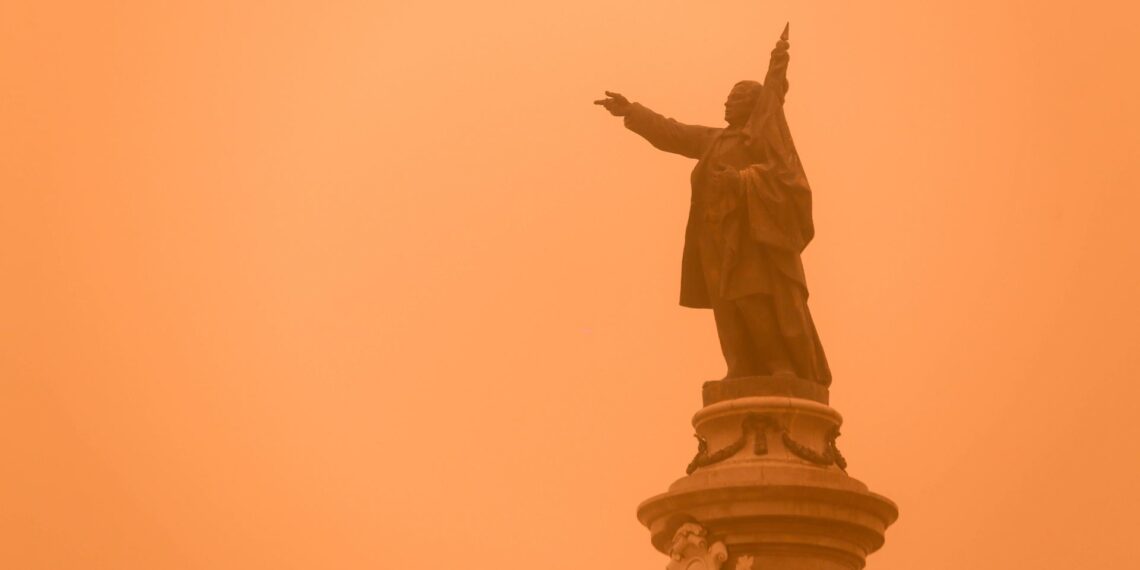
{"x": 358, "y": 284}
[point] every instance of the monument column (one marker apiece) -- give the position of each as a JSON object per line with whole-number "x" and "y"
{"x": 768, "y": 487}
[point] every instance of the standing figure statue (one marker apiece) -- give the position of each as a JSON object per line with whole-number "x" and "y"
{"x": 749, "y": 220}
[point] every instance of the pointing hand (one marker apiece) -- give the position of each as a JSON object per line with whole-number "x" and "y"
{"x": 615, "y": 103}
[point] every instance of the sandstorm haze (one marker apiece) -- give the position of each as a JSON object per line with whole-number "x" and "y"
{"x": 347, "y": 284}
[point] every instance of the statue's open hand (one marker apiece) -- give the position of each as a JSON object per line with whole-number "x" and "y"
{"x": 615, "y": 103}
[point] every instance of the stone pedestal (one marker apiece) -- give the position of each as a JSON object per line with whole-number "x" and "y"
{"x": 768, "y": 485}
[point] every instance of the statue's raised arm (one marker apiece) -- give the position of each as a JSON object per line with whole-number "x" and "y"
{"x": 776, "y": 81}
{"x": 767, "y": 128}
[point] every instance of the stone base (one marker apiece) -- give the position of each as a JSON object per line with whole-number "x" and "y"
{"x": 748, "y": 386}
{"x": 770, "y": 485}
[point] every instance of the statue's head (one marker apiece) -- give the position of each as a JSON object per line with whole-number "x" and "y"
{"x": 741, "y": 100}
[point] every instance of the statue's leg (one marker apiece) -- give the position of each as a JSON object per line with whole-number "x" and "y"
{"x": 767, "y": 341}
{"x": 735, "y": 341}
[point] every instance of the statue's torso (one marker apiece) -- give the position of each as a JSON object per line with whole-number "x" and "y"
{"x": 718, "y": 219}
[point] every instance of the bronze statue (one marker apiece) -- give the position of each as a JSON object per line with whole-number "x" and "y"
{"x": 749, "y": 220}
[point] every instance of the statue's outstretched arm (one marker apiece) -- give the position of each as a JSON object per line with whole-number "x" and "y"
{"x": 667, "y": 134}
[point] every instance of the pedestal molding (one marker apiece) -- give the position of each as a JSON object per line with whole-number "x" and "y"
{"x": 769, "y": 482}
{"x": 768, "y": 404}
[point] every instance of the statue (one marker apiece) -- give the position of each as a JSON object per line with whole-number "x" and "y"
{"x": 749, "y": 220}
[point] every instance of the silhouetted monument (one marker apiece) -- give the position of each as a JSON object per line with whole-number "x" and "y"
{"x": 785, "y": 501}
{"x": 749, "y": 221}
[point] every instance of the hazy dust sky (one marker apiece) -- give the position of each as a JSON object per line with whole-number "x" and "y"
{"x": 358, "y": 284}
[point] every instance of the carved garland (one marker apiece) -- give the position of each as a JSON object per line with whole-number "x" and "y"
{"x": 757, "y": 424}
